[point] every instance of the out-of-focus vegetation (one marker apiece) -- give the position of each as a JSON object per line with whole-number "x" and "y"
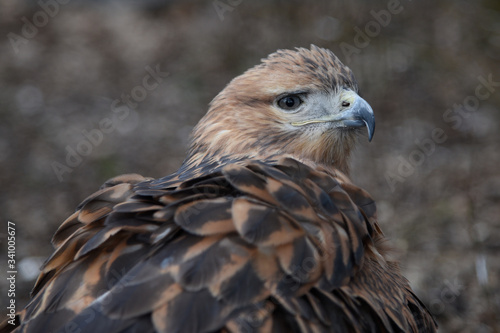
{"x": 433, "y": 166}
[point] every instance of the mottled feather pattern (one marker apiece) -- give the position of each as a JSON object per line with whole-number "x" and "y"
{"x": 294, "y": 235}
{"x": 260, "y": 229}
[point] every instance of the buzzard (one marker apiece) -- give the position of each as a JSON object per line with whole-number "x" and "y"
{"x": 260, "y": 229}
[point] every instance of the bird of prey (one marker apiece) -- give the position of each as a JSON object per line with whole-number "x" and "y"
{"x": 259, "y": 230}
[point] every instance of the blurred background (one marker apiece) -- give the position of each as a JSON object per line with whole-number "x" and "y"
{"x": 85, "y": 96}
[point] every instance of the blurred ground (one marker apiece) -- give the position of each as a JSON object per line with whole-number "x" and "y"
{"x": 433, "y": 166}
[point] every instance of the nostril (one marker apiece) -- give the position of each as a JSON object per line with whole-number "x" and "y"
{"x": 346, "y": 104}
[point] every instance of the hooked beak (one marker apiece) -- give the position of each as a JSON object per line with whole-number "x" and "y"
{"x": 358, "y": 114}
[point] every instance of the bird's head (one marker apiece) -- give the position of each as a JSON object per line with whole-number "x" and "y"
{"x": 303, "y": 103}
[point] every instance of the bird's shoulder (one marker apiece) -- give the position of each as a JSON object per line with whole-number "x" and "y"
{"x": 268, "y": 245}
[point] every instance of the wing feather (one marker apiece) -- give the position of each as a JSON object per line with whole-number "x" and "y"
{"x": 253, "y": 246}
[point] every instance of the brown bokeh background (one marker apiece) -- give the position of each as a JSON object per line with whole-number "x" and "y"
{"x": 441, "y": 213}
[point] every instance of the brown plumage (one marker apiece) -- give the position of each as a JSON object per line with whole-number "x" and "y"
{"x": 260, "y": 230}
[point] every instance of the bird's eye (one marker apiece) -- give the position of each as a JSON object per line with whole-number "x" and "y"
{"x": 346, "y": 104}
{"x": 290, "y": 102}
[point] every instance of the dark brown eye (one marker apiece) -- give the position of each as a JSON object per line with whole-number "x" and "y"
{"x": 290, "y": 102}
{"x": 346, "y": 104}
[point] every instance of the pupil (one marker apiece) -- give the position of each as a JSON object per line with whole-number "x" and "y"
{"x": 289, "y": 102}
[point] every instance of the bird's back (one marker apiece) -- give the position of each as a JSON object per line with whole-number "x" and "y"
{"x": 252, "y": 246}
